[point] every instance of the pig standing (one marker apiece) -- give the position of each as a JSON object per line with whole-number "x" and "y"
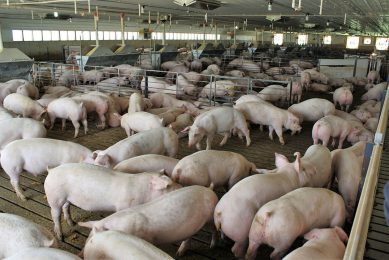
{"x": 221, "y": 120}
{"x": 147, "y": 163}
{"x": 18, "y": 233}
{"x": 312, "y": 109}
{"x": 317, "y": 76}
{"x": 212, "y": 169}
{"x": 113, "y": 113}
{"x": 274, "y": 117}
{"x": 67, "y": 108}
{"x": 24, "y": 106}
{"x": 20, "y": 128}
{"x": 69, "y": 78}
{"x": 140, "y": 122}
{"x": 34, "y": 155}
{"x": 94, "y": 103}
{"x": 117, "y": 245}
{"x": 236, "y": 209}
{"x": 43, "y": 253}
{"x": 173, "y": 217}
{"x": 347, "y": 166}
{"x": 373, "y": 77}
{"x": 92, "y": 76}
{"x": 155, "y": 141}
{"x": 91, "y": 192}
{"x": 279, "y": 222}
{"x": 295, "y": 93}
{"x": 326, "y": 243}
{"x": 343, "y": 97}
{"x": 136, "y": 103}
{"x": 332, "y": 126}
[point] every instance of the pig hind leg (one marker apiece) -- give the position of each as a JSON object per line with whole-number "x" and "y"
{"x": 56, "y": 216}
{"x": 52, "y": 119}
{"x": 225, "y": 138}
{"x": 66, "y": 213}
{"x": 15, "y": 184}
{"x": 76, "y": 125}
{"x": 185, "y": 245}
{"x": 85, "y": 125}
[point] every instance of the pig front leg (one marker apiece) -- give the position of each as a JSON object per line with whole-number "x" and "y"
{"x": 279, "y": 134}
{"x": 52, "y": 120}
{"x": 63, "y": 124}
{"x": 209, "y": 141}
{"x": 185, "y": 245}
{"x": 85, "y": 125}
{"x": 76, "y": 127}
{"x": 271, "y": 129}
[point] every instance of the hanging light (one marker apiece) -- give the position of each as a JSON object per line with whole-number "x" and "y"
{"x": 55, "y": 14}
{"x": 328, "y": 23}
{"x": 269, "y": 6}
{"x": 307, "y": 17}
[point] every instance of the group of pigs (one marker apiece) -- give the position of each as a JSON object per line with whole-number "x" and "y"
{"x": 273, "y": 207}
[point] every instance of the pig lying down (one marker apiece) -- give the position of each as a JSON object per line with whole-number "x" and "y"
{"x": 173, "y": 217}
{"x": 108, "y": 190}
{"x": 117, "y": 245}
{"x": 34, "y": 155}
{"x": 147, "y": 163}
{"x": 155, "y": 141}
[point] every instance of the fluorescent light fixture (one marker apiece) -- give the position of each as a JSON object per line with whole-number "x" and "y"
{"x": 269, "y": 6}
{"x": 55, "y": 14}
{"x": 307, "y": 17}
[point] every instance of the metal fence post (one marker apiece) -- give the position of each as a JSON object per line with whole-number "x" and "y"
{"x": 146, "y": 85}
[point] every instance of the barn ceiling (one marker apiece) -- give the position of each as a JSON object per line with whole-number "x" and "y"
{"x": 353, "y": 16}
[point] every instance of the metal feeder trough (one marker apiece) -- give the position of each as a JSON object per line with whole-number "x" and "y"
{"x": 167, "y": 53}
{"x": 14, "y": 64}
{"x": 209, "y": 50}
{"x": 103, "y": 56}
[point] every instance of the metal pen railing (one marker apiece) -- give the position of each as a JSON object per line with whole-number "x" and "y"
{"x": 356, "y": 245}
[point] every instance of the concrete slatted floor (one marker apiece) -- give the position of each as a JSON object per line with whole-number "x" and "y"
{"x": 261, "y": 152}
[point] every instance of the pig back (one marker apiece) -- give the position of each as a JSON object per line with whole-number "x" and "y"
{"x": 320, "y": 158}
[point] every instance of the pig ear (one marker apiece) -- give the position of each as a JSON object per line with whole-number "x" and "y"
{"x": 342, "y": 235}
{"x": 312, "y": 234}
{"x": 81, "y": 104}
{"x": 162, "y": 122}
{"x": 161, "y": 182}
{"x": 297, "y": 162}
{"x": 95, "y": 153}
{"x": 186, "y": 130}
{"x": 280, "y": 160}
{"x": 117, "y": 115}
